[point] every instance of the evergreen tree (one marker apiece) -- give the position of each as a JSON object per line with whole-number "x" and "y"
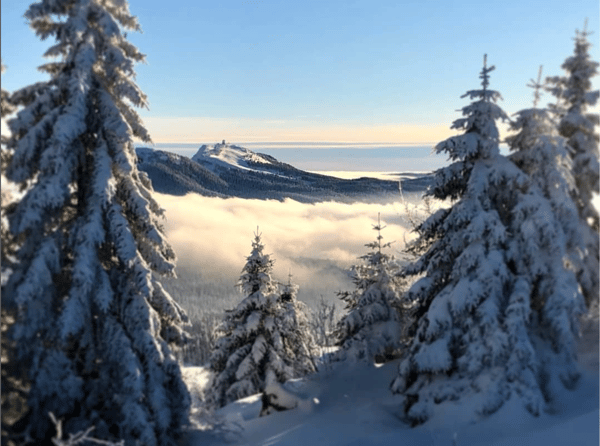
{"x": 373, "y": 327}
{"x": 499, "y": 309}
{"x": 7, "y": 241}
{"x": 14, "y": 379}
{"x": 93, "y": 321}
{"x": 575, "y": 123}
{"x": 251, "y": 351}
{"x": 544, "y": 155}
{"x": 575, "y": 97}
{"x": 298, "y": 341}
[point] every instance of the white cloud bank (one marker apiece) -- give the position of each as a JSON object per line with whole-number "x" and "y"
{"x": 314, "y": 241}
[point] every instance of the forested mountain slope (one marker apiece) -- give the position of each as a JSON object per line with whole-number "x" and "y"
{"x": 223, "y": 170}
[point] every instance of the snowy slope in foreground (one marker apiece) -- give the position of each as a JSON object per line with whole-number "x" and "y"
{"x": 355, "y": 407}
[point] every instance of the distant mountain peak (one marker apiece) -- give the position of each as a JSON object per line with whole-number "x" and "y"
{"x": 229, "y": 155}
{"x": 226, "y": 170}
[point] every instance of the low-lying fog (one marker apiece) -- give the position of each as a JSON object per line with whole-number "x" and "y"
{"x": 316, "y": 243}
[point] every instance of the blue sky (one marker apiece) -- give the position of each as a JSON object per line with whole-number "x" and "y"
{"x": 325, "y": 70}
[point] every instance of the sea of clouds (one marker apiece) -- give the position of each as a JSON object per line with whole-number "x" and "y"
{"x": 316, "y": 243}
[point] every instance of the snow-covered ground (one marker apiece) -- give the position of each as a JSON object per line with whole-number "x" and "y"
{"x": 346, "y": 405}
{"x": 227, "y": 155}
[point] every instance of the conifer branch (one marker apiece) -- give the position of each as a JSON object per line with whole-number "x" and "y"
{"x": 537, "y": 86}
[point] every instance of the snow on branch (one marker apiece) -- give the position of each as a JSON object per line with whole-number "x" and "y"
{"x": 81, "y": 437}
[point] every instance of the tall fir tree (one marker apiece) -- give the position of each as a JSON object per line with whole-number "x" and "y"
{"x": 373, "y": 328}
{"x": 93, "y": 321}
{"x": 298, "y": 341}
{"x": 252, "y": 350}
{"x": 7, "y": 247}
{"x": 575, "y": 123}
{"x": 14, "y": 378}
{"x": 499, "y": 309}
{"x": 575, "y": 96}
{"x": 543, "y": 154}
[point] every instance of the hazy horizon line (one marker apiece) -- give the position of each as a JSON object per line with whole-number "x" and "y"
{"x": 276, "y": 144}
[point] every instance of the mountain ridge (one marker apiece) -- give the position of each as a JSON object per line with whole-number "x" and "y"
{"x": 225, "y": 170}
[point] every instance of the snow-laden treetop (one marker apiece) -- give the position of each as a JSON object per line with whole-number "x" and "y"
{"x": 479, "y": 123}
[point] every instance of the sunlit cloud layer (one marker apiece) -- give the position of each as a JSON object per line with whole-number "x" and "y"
{"x": 314, "y": 242}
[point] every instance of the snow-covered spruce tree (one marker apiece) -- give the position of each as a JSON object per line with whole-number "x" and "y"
{"x": 499, "y": 310}
{"x": 372, "y": 329}
{"x": 322, "y": 324}
{"x": 93, "y": 322}
{"x": 14, "y": 379}
{"x": 544, "y": 155}
{"x": 7, "y": 247}
{"x": 298, "y": 342}
{"x": 251, "y": 352}
{"x": 575, "y": 97}
{"x": 299, "y": 348}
